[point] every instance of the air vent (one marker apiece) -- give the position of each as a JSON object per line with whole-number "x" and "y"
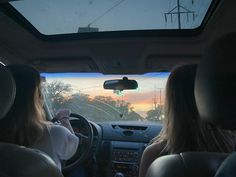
{"x": 129, "y": 127}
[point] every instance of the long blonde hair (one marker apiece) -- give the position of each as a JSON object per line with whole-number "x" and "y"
{"x": 183, "y": 130}
{"x": 25, "y": 122}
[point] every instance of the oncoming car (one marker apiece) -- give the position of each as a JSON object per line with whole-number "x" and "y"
{"x": 78, "y": 45}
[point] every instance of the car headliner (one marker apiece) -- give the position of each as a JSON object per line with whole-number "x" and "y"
{"x": 112, "y": 53}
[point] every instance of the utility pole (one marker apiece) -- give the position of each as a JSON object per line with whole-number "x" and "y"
{"x": 160, "y": 96}
{"x": 179, "y": 17}
{"x": 179, "y": 10}
{"x": 155, "y": 99}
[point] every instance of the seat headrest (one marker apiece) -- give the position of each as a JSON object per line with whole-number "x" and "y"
{"x": 187, "y": 164}
{"x": 215, "y": 84}
{"x": 7, "y": 91}
{"x": 228, "y": 166}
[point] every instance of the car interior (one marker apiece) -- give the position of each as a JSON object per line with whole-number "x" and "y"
{"x": 108, "y": 62}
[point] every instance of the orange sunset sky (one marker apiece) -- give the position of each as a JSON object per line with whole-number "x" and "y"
{"x": 150, "y": 86}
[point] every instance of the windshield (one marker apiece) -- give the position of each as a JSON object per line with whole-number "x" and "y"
{"x": 83, "y": 94}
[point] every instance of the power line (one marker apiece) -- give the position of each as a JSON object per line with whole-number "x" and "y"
{"x": 154, "y": 75}
{"x": 169, "y": 5}
{"x": 107, "y": 11}
{"x": 91, "y": 87}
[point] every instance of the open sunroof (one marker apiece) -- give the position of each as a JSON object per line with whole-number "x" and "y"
{"x": 52, "y": 17}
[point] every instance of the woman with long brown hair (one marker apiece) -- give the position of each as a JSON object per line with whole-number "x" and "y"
{"x": 183, "y": 130}
{"x": 25, "y": 124}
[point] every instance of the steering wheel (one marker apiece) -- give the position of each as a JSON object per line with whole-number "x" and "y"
{"x": 85, "y": 143}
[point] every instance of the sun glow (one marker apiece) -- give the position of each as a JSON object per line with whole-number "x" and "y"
{"x": 149, "y": 95}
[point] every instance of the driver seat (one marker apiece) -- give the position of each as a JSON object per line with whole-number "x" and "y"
{"x": 18, "y": 161}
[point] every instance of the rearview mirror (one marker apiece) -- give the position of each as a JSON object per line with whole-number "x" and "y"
{"x": 120, "y": 84}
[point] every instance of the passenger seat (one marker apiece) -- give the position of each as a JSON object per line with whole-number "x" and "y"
{"x": 215, "y": 92}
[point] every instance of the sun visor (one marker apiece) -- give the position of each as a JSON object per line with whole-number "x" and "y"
{"x": 168, "y": 62}
{"x": 74, "y": 64}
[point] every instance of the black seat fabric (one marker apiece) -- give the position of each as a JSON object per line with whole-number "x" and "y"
{"x": 215, "y": 85}
{"x": 18, "y": 161}
{"x": 228, "y": 167}
{"x": 216, "y": 91}
{"x": 189, "y": 164}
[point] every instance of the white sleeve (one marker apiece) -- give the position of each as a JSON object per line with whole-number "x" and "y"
{"x": 64, "y": 142}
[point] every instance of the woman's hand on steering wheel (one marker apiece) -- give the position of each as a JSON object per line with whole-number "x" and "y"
{"x": 62, "y": 116}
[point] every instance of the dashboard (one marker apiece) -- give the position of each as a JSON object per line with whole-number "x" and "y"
{"x": 123, "y": 144}
{"x": 118, "y": 146}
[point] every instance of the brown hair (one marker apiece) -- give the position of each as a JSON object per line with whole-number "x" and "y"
{"x": 183, "y": 129}
{"x": 25, "y": 122}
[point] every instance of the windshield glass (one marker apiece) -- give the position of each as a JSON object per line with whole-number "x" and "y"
{"x": 83, "y": 93}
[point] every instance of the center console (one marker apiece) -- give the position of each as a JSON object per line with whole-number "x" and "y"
{"x": 125, "y": 157}
{"x": 122, "y": 146}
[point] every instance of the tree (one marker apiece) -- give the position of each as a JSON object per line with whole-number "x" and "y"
{"x": 81, "y": 97}
{"x": 58, "y": 93}
{"x": 156, "y": 114}
{"x": 134, "y": 116}
{"x": 98, "y": 108}
{"x": 124, "y": 108}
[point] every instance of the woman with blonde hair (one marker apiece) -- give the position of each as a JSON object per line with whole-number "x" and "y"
{"x": 183, "y": 130}
{"x": 26, "y": 125}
